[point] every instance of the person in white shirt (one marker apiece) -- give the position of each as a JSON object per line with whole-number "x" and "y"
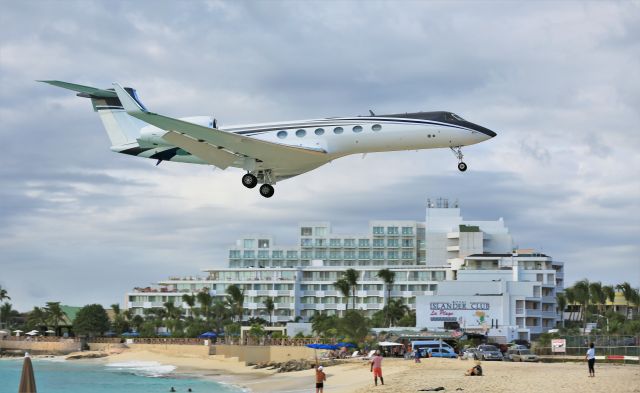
{"x": 591, "y": 359}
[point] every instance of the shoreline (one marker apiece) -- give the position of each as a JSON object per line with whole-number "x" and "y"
{"x": 400, "y": 375}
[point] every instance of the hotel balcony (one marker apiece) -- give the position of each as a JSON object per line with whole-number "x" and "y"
{"x": 533, "y": 312}
{"x": 453, "y": 248}
{"x": 549, "y": 314}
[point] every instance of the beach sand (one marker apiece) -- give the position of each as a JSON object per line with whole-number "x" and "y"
{"x": 406, "y": 376}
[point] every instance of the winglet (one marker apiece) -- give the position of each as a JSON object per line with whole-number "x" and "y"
{"x": 128, "y": 102}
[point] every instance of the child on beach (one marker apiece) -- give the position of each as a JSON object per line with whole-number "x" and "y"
{"x": 376, "y": 368}
{"x": 591, "y": 360}
{"x": 320, "y": 378}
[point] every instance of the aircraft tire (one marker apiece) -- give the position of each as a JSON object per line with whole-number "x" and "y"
{"x": 249, "y": 180}
{"x": 462, "y": 166}
{"x": 266, "y": 190}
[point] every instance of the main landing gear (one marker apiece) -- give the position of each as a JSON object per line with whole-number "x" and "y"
{"x": 250, "y": 180}
{"x": 457, "y": 151}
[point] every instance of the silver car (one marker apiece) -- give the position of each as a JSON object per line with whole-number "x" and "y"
{"x": 522, "y": 355}
{"x": 489, "y": 352}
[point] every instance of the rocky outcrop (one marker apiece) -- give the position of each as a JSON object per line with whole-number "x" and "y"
{"x": 86, "y": 355}
{"x": 291, "y": 365}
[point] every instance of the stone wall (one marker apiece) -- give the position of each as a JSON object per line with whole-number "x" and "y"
{"x": 256, "y": 354}
{"x": 61, "y": 347}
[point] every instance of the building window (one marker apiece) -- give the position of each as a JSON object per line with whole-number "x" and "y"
{"x": 407, "y": 254}
{"x": 392, "y": 242}
{"x": 292, "y": 254}
{"x": 319, "y": 131}
{"x": 335, "y": 255}
{"x": 376, "y": 127}
{"x": 392, "y": 230}
{"x": 407, "y": 242}
{"x": 378, "y": 230}
{"x": 378, "y": 255}
{"x": 305, "y": 255}
{"x": 392, "y": 255}
{"x": 301, "y": 133}
{"x": 263, "y": 254}
{"x": 334, "y": 242}
{"x": 234, "y": 253}
{"x": 321, "y": 242}
{"x": 248, "y": 243}
{"x": 363, "y": 242}
{"x": 378, "y": 242}
{"x": 277, "y": 254}
{"x": 364, "y": 255}
{"x": 282, "y": 134}
{"x": 357, "y": 129}
{"x": 305, "y": 231}
{"x": 407, "y": 230}
{"x": 349, "y": 242}
{"x": 263, "y": 243}
{"x": 249, "y": 254}
{"x": 320, "y": 231}
{"x": 338, "y": 130}
{"x": 349, "y": 255}
{"x": 306, "y": 242}
{"x": 319, "y": 254}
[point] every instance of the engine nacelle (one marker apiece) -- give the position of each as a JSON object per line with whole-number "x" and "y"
{"x": 151, "y": 136}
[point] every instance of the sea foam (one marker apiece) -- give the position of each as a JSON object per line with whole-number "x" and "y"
{"x": 144, "y": 369}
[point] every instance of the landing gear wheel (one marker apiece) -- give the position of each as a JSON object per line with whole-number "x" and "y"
{"x": 249, "y": 180}
{"x": 266, "y": 190}
{"x": 462, "y": 166}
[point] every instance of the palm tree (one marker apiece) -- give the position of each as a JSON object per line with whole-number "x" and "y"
{"x": 351, "y": 275}
{"x": 220, "y": 314}
{"x": 206, "y": 301}
{"x": 3, "y": 294}
{"x": 37, "y": 318}
{"x": 581, "y": 289}
{"x": 396, "y": 309}
{"x": 596, "y": 295}
{"x": 343, "y": 286}
{"x": 270, "y": 306}
{"x": 610, "y": 294}
{"x": 173, "y": 315}
{"x": 235, "y": 298}
{"x": 388, "y": 277}
{"x": 191, "y": 302}
{"x": 562, "y": 304}
{"x": 571, "y": 300}
{"x": 6, "y": 311}
{"x": 627, "y": 292}
{"x": 54, "y": 314}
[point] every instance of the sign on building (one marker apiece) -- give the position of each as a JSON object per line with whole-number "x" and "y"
{"x": 559, "y": 345}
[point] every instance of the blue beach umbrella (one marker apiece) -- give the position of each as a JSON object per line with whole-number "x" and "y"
{"x": 348, "y": 345}
{"x": 208, "y": 335}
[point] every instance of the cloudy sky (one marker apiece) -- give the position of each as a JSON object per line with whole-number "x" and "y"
{"x": 559, "y": 82}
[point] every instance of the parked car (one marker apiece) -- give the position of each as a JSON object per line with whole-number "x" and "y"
{"x": 470, "y": 353}
{"x": 489, "y": 352}
{"x": 522, "y": 355}
{"x": 521, "y": 342}
{"x": 442, "y": 353}
{"x": 518, "y": 346}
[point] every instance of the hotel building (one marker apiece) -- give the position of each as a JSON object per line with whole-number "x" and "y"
{"x": 441, "y": 256}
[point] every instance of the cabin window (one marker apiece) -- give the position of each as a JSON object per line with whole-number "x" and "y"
{"x": 282, "y": 134}
{"x": 338, "y": 130}
{"x": 357, "y": 129}
{"x": 319, "y": 131}
{"x": 376, "y": 127}
{"x": 301, "y": 133}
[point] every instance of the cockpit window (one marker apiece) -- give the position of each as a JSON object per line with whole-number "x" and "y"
{"x": 456, "y": 117}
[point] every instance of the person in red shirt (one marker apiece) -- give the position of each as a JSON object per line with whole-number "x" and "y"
{"x": 320, "y": 378}
{"x": 376, "y": 368}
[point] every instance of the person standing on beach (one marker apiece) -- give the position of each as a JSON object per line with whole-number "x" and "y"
{"x": 376, "y": 368}
{"x": 320, "y": 378}
{"x": 591, "y": 360}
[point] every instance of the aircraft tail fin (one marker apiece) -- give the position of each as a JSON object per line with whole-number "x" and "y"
{"x": 121, "y": 128}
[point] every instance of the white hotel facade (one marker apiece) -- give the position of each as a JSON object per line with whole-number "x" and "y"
{"x": 441, "y": 259}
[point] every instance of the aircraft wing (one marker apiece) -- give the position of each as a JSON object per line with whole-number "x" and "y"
{"x": 273, "y": 155}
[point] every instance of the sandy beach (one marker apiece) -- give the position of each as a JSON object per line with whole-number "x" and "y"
{"x": 405, "y": 376}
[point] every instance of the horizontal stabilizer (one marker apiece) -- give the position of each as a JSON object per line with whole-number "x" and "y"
{"x": 87, "y": 90}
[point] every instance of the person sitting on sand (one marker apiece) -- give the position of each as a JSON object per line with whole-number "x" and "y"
{"x": 475, "y": 371}
{"x": 376, "y": 368}
{"x": 320, "y": 378}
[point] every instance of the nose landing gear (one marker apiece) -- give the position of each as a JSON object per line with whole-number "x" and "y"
{"x": 457, "y": 151}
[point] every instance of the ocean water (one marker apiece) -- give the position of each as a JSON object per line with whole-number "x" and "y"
{"x": 60, "y": 376}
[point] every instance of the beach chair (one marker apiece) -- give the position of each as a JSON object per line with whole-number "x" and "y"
{"x": 370, "y": 355}
{"x": 355, "y": 354}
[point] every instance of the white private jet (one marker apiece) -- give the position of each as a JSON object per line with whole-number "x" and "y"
{"x": 270, "y": 152}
